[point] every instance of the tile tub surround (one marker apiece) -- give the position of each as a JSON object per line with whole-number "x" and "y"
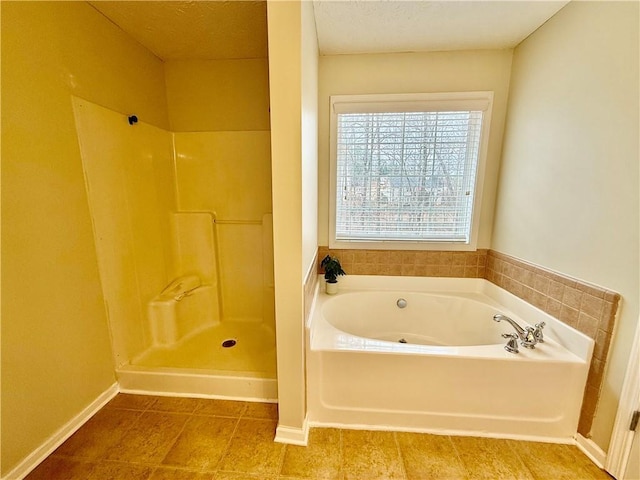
{"x": 585, "y": 307}
{"x": 409, "y": 263}
{"x": 164, "y": 438}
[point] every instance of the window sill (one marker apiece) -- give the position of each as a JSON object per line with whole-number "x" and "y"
{"x": 403, "y": 245}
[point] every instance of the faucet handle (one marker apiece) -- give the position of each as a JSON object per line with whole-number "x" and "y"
{"x": 537, "y": 333}
{"x": 512, "y": 344}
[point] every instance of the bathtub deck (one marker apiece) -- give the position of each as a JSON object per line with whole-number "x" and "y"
{"x": 154, "y": 438}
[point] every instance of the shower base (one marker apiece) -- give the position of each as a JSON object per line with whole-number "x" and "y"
{"x": 202, "y": 366}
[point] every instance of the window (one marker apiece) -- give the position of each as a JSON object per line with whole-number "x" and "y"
{"x": 406, "y": 169}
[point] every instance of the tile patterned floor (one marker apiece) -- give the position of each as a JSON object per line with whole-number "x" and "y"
{"x": 160, "y": 438}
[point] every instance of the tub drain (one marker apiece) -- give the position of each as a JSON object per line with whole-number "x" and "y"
{"x": 229, "y": 343}
{"x": 402, "y": 340}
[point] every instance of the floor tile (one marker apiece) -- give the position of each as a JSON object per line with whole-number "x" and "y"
{"x": 58, "y": 468}
{"x": 262, "y": 410}
{"x": 243, "y": 476}
{"x": 223, "y": 408}
{"x": 137, "y": 437}
{"x": 555, "y": 461}
{"x": 174, "y": 404}
{"x": 133, "y": 402}
{"x": 252, "y": 449}
{"x": 370, "y": 455}
{"x": 149, "y": 439}
{"x": 105, "y": 429}
{"x": 119, "y": 471}
{"x": 430, "y": 457}
{"x": 490, "y": 458}
{"x": 321, "y": 459}
{"x": 202, "y": 443}
{"x": 168, "y": 473}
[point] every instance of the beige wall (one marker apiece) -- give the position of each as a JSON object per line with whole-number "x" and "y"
{"x": 309, "y": 138}
{"x": 286, "y": 149}
{"x": 568, "y": 194}
{"x": 415, "y": 73}
{"x": 218, "y": 95}
{"x": 56, "y": 356}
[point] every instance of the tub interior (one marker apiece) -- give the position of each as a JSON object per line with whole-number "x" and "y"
{"x": 445, "y": 319}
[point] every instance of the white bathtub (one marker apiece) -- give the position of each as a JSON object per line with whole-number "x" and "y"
{"x": 453, "y": 374}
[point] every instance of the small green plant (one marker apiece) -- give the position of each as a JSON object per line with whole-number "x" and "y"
{"x": 332, "y": 268}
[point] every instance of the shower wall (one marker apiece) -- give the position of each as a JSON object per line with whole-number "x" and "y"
{"x": 229, "y": 174}
{"x": 219, "y": 110}
{"x": 130, "y": 184}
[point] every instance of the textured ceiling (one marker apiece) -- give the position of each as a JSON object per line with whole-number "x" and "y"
{"x": 203, "y": 29}
{"x": 371, "y": 26}
{"x": 193, "y": 29}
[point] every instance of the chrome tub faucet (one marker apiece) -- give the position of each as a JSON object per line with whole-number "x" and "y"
{"x": 528, "y": 336}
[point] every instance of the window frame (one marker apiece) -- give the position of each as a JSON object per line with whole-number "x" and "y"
{"x": 387, "y": 103}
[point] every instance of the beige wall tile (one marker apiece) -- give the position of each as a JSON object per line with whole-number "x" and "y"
{"x": 572, "y": 297}
{"x": 569, "y": 316}
{"x": 592, "y": 305}
{"x": 588, "y": 325}
{"x": 601, "y": 349}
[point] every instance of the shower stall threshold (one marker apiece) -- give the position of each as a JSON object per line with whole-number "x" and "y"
{"x": 181, "y": 382}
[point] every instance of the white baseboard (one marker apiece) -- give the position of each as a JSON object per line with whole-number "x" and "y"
{"x": 292, "y": 435}
{"x": 591, "y": 450}
{"x": 34, "y": 459}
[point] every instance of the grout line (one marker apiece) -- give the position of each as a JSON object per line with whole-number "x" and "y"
{"x": 227, "y": 447}
{"x": 517, "y": 454}
{"x": 455, "y": 450}
{"x": 281, "y": 462}
{"x": 341, "y": 454}
{"x": 402, "y": 465}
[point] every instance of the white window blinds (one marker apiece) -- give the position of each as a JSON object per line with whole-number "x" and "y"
{"x": 406, "y": 175}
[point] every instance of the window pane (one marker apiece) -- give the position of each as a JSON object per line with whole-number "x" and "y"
{"x": 406, "y": 176}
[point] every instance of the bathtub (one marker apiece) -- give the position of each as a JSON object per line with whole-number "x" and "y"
{"x": 439, "y": 365}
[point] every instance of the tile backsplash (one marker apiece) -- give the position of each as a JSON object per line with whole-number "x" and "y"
{"x": 410, "y": 263}
{"x": 585, "y": 307}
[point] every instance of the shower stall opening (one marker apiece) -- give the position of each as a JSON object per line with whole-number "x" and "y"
{"x": 183, "y": 231}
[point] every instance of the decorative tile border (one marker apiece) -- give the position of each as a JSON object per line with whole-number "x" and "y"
{"x": 585, "y": 307}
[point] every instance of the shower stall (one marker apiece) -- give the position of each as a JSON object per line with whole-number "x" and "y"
{"x": 183, "y": 231}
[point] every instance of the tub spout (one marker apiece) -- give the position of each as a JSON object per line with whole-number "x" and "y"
{"x": 527, "y": 336}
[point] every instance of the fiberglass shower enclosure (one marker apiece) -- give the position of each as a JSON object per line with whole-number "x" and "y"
{"x": 183, "y": 233}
